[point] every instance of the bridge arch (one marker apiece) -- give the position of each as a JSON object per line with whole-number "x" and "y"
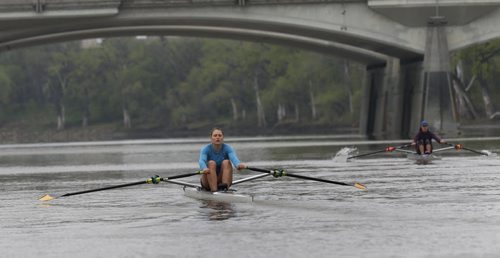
{"x": 348, "y": 30}
{"x": 362, "y": 56}
{"x": 370, "y": 32}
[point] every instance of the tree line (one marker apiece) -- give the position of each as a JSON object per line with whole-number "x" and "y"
{"x": 188, "y": 83}
{"x": 178, "y": 83}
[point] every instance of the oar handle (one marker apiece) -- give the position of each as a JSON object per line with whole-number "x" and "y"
{"x": 404, "y": 146}
{"x": 183, "y": 175}
{"x": 270, "y": 171}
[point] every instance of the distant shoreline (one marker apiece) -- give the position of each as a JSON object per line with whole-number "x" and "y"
{"x": 13, "y": 134}
{"x": 108, "y": 132}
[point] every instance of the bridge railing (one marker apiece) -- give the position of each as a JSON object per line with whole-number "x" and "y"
{"x": 40, "y": 6}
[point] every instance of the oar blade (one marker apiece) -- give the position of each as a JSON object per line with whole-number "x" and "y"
{"x": 46, "y": 197}
{"x": 459, "y": 146}
{"x": 360, "y": 186}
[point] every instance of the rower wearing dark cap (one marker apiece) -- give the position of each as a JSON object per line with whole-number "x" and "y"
{"x": 423, "y": 139}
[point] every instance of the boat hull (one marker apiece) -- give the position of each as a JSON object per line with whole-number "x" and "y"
{"x": 423, "y": 159}
{"x": 223, "y": 196}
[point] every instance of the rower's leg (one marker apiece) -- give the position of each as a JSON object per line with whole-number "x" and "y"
{"x": 226, "y": 173}
{"x": 428, "y": 148}
{"x": 211, "y": 178}
{"x": 421, "y": 149}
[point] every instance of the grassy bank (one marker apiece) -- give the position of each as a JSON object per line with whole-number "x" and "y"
{"x": 32, "y": 132}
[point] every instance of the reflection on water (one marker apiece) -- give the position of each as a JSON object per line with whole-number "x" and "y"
{"x": 217, "y": 210}
{"x": 449, "y": 208}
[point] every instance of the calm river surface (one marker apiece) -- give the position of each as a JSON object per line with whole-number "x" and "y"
{"x": 450, "y": 208}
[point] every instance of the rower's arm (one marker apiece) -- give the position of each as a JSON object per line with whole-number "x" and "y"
{"x": 203, "y": 159}
{"x": 415, "y": 139}
{"x": 436, "y": 138}
{"x": 233, "y": 157}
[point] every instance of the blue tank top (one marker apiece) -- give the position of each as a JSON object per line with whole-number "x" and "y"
{"x": 226, "y": 152}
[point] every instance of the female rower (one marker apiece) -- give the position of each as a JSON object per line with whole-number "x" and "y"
{"x": 216, "y": 161}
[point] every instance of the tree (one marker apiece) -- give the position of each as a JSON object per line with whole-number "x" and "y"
{"x": 88, "y": 76}
{"x": 6, "y": 85}
{"x": 60, "y": 70}
{"x": 481, "y": 58}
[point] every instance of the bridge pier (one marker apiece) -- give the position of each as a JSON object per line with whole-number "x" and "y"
{"x": 438, "y": 105}
{"x": 383, "y": 100}
{"x": 412, "y": 78}
{"x": 403, "y": 93}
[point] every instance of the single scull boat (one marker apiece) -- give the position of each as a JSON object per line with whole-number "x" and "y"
{"x": 195, "y": 191}
{"x": 422, "y": 159}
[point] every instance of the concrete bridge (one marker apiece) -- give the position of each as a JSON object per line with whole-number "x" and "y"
{"x": 404, "y": 44}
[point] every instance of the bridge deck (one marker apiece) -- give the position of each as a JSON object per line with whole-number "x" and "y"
{"x": 38, "y": 6}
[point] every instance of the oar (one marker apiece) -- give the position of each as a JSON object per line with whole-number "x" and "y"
{"x": 388, "y": 149}
{"x": 443, "y": 149}
{"x": 460, "y": 146}
{"x": 152, "y": 180}
{"x": 278, "y": 173}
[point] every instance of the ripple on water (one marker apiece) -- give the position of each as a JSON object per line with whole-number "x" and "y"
{"x": 450, "y": 208}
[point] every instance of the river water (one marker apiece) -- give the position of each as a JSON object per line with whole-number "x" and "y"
{"x": 450, "y": 208}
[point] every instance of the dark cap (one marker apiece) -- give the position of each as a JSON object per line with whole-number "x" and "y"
{"x": 424, "y": 123}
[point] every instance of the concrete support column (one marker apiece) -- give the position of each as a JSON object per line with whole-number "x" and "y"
{"x": 437, "y": 102}
{"x": 373, "y": 82}
{"x": 381, "y": 116}
{"x": 413, "y": 94}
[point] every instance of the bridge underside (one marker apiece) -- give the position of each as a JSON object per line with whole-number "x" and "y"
{"x": 362, "y": 56}
{"x": 392, "y": 53}
{"x": 321, "y": 23}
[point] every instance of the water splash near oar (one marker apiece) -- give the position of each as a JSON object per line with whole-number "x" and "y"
{"x": 489, "y": 153}
{"x": 343, "y": 154}
{"x": 387, "y": 149}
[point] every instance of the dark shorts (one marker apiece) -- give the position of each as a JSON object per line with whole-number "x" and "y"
{"x": 422, "y": 142}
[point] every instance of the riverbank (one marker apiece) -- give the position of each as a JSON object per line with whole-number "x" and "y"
{"x": 12, "y": 134}
{"x": 26, "y": 133}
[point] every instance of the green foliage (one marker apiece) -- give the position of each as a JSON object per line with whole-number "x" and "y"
{"x": 480, "y": 58}
{"x": 6, "y": 86}
{"x": 482, "y": 62}
{"x": 180, "y": 83}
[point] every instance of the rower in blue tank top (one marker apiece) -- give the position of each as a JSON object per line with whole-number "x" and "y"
{"x": 217, "y": 160}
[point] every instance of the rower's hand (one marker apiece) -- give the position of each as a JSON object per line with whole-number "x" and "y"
{"x": 442, "y": 142}
{"x": 413, "y": 143}
{"x": 241, "y": 166}
{"x": 206, "y": 171}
